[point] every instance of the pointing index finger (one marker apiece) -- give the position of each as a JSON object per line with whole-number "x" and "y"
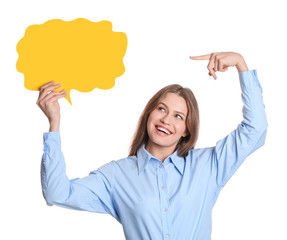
{"x": 202, "y": 57}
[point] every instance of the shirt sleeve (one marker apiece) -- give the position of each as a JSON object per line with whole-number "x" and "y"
{"x": 230, "y": 152}
{"x": 92, "y": 193}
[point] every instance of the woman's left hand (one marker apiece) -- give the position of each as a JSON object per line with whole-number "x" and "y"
{"x": 221, "y": 61}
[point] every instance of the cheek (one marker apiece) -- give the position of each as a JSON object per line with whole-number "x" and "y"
{"x": 150, "y": 122}
{"x": 150, "y": 119}
{"x": 180, "y": 128}
{"x": 153, "y": 117}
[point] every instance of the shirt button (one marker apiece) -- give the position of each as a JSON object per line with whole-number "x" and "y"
{"x": 161, "y": 166}
{"x": 167, "y": 235}
{"x": 165, "y": 209}
{"x": 162, "y": 187}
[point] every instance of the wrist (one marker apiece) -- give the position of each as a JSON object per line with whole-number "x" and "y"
{"x": 241, "y": 65}
{"x": 54, "y": 126}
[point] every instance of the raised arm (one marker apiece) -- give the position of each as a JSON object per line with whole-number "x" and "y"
{"x": 250, "y": 134}
{"x": 92, "y": 193}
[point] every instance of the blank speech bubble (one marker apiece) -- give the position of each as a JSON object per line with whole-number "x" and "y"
{"x": 79, "y": 54}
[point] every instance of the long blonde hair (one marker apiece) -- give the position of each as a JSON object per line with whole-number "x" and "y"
{"x": 192, "y": 120}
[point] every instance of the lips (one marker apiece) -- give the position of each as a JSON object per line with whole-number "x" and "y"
{"x": 162, "y": 130}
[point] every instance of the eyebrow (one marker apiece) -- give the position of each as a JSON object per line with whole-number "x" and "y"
{"x": 175, "y": 111}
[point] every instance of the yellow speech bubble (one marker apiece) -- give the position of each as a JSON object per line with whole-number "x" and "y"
{"x": 79, "y": 54}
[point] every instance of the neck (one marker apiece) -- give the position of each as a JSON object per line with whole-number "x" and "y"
{"x": 159, "y": 152}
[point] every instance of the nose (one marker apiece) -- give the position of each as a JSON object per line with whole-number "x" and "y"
{"x": 165, "y": 119}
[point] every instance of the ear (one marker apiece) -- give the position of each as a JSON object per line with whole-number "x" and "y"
{"x": 185, "y": 133}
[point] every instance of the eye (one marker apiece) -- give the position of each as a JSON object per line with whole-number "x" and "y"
{"x": 178, "y": 116}
{"x": 161, "y": 109}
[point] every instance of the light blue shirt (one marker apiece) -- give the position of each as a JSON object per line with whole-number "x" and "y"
{"x": 155, "y": 200}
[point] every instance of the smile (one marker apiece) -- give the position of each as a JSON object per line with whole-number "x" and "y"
{"x": 163, "y": 130}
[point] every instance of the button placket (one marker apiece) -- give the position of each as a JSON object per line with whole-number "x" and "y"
{"x": 163, "y": 200}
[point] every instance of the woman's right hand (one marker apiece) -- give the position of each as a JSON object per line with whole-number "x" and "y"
{"x": 48, "y": 102}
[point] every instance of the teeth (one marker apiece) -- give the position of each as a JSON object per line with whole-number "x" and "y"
{"x": 163, "y": 130}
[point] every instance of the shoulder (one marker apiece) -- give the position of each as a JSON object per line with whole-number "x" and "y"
{"x": 125, "y": 161}
{"x": 118, "y": 165}
{"x": 200, "y": 154}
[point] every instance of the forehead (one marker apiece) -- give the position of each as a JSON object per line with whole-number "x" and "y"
{"x": 174, "y": 102}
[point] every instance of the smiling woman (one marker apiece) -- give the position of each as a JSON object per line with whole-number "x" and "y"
{"x": 165, "y": 188}
{"x": 174, "y": 111}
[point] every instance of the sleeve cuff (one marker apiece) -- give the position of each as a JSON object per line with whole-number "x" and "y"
{"x": 249, "y": 79}
{"x": 52, "y": 140}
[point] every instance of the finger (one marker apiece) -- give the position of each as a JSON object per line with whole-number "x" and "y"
{"x": 52, "y": 94}
{"x": 214, "y": 75}
{"x": 202, "y": 57}
{"x": 56, "y": 97}
{"x": 210, "y": 66}
{"x": 51, "y": 88}
{"x": 45, "y": 91}
{"x": 47, "y": 97}
{"x": 46, "y": 85}
{"x": 44, "y": 104}
{"x": 216, "y": 62}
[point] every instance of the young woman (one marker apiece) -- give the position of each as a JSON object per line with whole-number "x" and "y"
{"x": 164, "y": 189}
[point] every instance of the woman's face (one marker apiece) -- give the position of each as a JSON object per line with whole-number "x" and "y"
{"x": 166, "y": 123}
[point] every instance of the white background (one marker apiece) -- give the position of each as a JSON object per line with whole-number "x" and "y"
{"x": 99, "y": 125}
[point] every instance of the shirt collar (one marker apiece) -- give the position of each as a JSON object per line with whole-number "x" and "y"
{"x": 179, "y": 162}
{"x": 143, "y": 157}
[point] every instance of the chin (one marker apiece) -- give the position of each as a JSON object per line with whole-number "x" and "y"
{"x": 162, "y": 144}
